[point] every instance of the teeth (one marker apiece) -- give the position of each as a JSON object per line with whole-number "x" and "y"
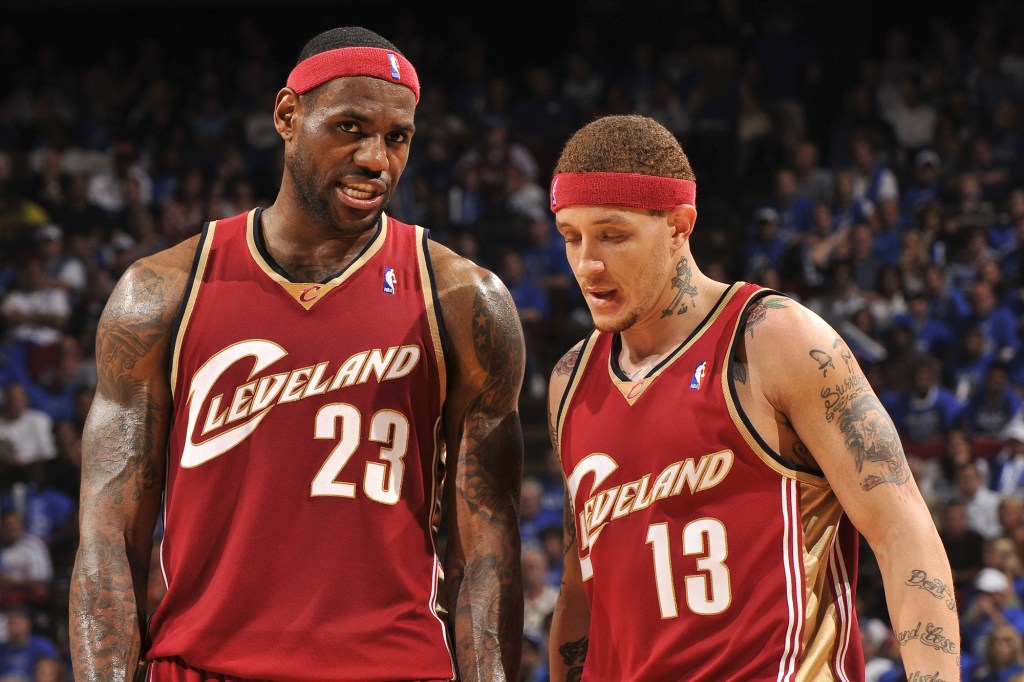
{"x": 358, "y": 193}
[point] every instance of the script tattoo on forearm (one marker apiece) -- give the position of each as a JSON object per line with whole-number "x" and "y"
{"x": 925, "y": 677}
{"x": 681, "y": 281}
{"x": 931, "y": 636}
{"x": 574, "y": 654}
{"x": 935, "y": 587}
{"x": 759, "y": 311}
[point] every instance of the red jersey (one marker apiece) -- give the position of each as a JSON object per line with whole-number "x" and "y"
{"x": 705, "y": 555}
{"x": 304, "y": 467}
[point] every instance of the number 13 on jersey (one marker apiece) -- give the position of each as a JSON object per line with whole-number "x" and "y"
{"x": 707, "y": 593}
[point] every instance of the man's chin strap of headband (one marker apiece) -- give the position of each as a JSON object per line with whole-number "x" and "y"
{"x": 621, "y": 189}
{"x": 374, "y": 62}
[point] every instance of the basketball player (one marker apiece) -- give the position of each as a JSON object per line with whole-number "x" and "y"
{"x": 284, "y": 386}
{"x": 721, "y": 449}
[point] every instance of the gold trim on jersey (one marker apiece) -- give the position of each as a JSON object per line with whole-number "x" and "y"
{"x": 632, "y": 390}
{"x": 205, "y": 245}
{"x": 432, "y": 312}
{"x": 830, "y": 626}
{"x": 307, "y": 294}
{"x": 570, "y": 389}
{"x": 769, "y": 458}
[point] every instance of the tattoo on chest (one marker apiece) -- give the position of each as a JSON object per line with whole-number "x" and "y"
{"x": 681, "y": 281}
{"x": 759, "y": 311}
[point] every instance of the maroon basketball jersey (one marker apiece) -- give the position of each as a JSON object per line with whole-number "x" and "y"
{"x": 705, "y": 555}
{"x": 304, "y": 469}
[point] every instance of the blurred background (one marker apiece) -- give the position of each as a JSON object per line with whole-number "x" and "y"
{"x": 866, "y": 158}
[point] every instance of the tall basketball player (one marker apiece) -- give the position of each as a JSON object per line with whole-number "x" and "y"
{"x": 721, "y": 449}
{"x": 301, "y": 392}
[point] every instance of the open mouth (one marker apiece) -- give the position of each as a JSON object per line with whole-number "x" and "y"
{"x": 361, "y": 195}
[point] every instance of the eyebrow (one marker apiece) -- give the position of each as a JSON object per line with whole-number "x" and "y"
{"x": 356, "y": 115}
{"x": 614, "y": 217}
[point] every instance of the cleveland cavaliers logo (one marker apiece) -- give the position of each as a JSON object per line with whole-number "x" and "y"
{"x": 310, "y": 293}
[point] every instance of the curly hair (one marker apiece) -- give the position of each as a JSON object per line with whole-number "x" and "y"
{"x": 625, "y": 144}
{"x": 345, "y": 36}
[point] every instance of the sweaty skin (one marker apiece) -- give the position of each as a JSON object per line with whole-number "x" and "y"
{"x": 346, "y": 144}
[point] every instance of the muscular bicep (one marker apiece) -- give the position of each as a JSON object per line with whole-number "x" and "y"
{"x": 125, "y": 433}
{"x": 819, "y": 387}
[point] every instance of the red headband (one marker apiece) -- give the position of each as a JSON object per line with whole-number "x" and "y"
{"x": 374, "y": 62}
{"x": 621, "y": 189}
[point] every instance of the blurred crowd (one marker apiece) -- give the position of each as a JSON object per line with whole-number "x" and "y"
{"x": 898, "y": 216}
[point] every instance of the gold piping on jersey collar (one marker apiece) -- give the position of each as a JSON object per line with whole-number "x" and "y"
{"x": 632, "y": 390}
{"x": 307, "y": 294}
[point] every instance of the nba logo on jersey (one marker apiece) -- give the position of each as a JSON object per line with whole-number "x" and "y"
{"x": 395, "y": 73}
{"x": 554, "y": 186}
{"x": 698, "y": 375}
{"x": 390, "y": 280}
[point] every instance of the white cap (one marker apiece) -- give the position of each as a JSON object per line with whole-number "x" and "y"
{"x": 991, "y": 580}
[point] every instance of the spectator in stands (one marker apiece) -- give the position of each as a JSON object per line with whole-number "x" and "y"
{"x": 29, "y": 432}
{"x": 981, "y": 503}
{"x": 990, "y": 607}
{"x": 34, "y": 313}
{"x": 23, "y": 649}
{"x": 812, "y": 181}
{"x": 25, "y": 566}
{"x": 1004, "y": 656}
{"x": 964, "y": 546}
{"x": 538, "y": 596}
{"x": 991, "y": 408}
{"x": 873, "y": 180}
{"x": 928, "y": 411}
{"x": 534, "y": 518}
{"x": 1007, "y": 464}
{"x": 931, "y": 336}
{"x": 997, "y": 323}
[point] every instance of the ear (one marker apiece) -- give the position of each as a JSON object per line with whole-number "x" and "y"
{"x": 285, "y": 107}
{"x": 682, "y": 218}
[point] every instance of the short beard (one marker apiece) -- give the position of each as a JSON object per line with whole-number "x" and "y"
{"x": 630, "y": 320}
{"x": 305, "y": 186}
{"x": 315, "y": 203}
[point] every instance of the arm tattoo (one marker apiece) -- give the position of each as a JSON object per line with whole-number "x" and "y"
{"x": 489, "y": 586}
{"x": 931, "y": 636}
{"x": 567, "y": 363}
{"x": 570, "y": 526}
{"x": 681, "y": 281}
{"x": 739, "y": 370}
{"x": 918, "y": 676}
{"x": 824, "y": 361}
{"x": 575, "y": 654}
{"x": 122, "y": 476}
{"x": 871, "y": 437}
{"x": 935, "y": 587}
{"x": 759, "y": 311}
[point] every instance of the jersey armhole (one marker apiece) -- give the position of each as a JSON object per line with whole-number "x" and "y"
{"x": 734, "y": 395}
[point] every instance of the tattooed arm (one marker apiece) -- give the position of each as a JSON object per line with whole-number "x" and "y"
{"x": 570, "y": 627}
{"x": 123, "y": 469}
{"x": 484, "y": 469}
{"x": 816, "y": 390}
